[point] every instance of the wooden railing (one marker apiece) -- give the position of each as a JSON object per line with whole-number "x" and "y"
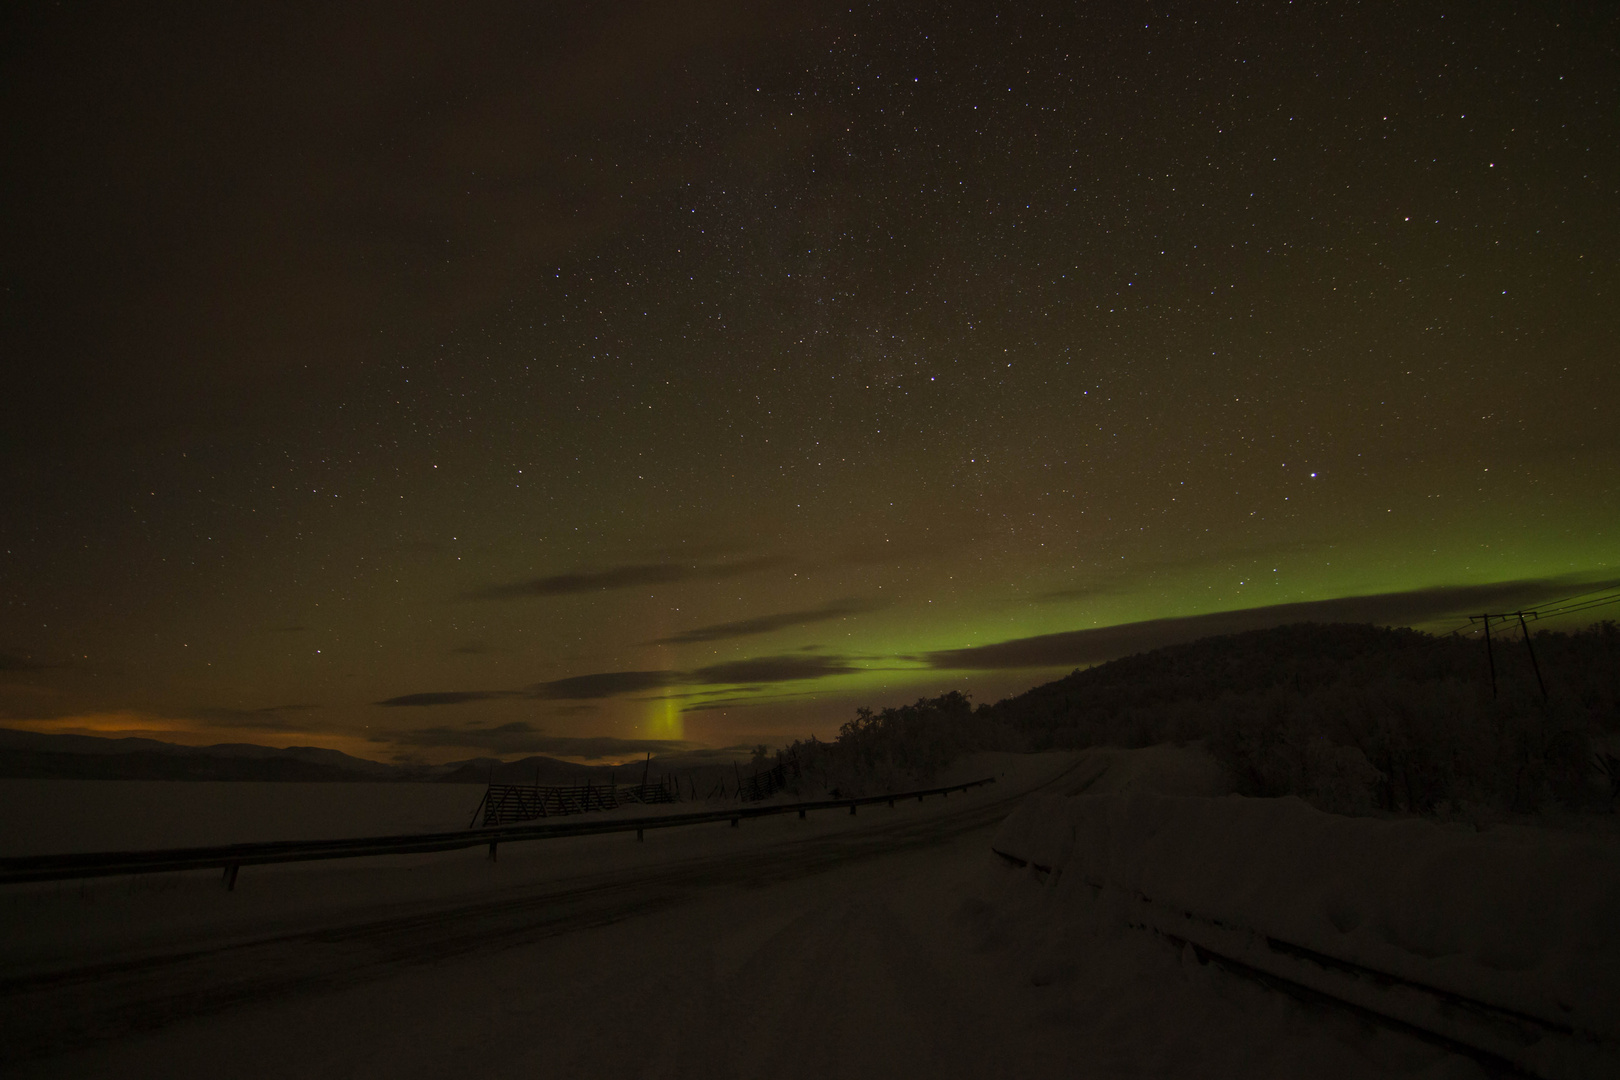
{"x": 763, "y": 785}
{"x": 508, "y": 804}
{"x": 231, "y": 857}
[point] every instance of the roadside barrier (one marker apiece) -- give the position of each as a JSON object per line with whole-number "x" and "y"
{"x": 230, "y": 858}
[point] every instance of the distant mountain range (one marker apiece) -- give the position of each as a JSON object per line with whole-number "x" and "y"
{"x": 34, "y": 755}
{"x": 31, "y": 754}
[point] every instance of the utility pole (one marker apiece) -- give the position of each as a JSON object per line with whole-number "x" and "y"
{"x": 1533, "y": 663}
{"x": 1489, "y": 655}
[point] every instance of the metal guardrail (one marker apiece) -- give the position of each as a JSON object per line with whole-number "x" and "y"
{"x": 232, "y": 857}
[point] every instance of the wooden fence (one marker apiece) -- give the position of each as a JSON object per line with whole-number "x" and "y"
{"x": 762, "y": 785}
{"x": 508, "y": 804}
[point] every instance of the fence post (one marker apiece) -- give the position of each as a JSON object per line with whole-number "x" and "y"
{"x": 230, "y": 876}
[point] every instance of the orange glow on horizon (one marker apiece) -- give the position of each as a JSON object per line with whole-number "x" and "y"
{"x": 188, "y": 732}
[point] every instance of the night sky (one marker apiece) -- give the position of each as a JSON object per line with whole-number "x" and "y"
{"x": 592, "y": 378}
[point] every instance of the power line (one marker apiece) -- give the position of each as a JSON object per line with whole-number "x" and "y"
{"x": 1606, "y": 587}
{"x": 1547, "y": 611}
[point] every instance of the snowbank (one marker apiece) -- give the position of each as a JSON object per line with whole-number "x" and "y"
{"x": 1164, "y": 769}
{"x": 1525, "y": 920}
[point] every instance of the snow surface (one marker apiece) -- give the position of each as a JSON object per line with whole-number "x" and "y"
{"x": 54, "y": 923}
{"x": 887, "y": 944}
{"x": 1520, "y": 918}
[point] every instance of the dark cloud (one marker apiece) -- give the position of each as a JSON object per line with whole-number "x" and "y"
{"x": 1077, "y": 648}
{"x": 520, "y": 737}
{"x": 445, "y": 697}
{"x": 769, "y": 669}
{"x": 721, "y": 704}
{"x": 603, "y": 684}
{"x": 640, "y": 575}
{"x": 728, "y": 691}
{"x": 765, "y": 624}
{"x": 750, "y": 702}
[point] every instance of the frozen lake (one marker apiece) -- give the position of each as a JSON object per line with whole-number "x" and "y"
{"x": 41, "y": 817}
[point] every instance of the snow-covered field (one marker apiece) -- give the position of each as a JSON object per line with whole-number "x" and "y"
{"x": 893, "y": 943}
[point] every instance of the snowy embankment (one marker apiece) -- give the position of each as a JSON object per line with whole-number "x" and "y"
{"x": 1526, "y": 921}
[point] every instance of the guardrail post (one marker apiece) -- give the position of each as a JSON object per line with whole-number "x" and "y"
{"x": 919, "y": 798}
{"x": 230, "y": 876}
{"x": 801, "y": 815}
{"x": 639, "y": 836}
{"x": 492, "y": 857}
{"x": 851, "y": 809}
{"x": 891, "y": 804}
{"x": 733, "y": 823}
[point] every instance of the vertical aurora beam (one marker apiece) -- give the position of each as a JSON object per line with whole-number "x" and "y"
{"x": 664, "y": 720}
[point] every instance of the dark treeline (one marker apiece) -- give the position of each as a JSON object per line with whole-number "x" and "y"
{"x": 897, "y": 748}
{"x": 1349, "y": 717}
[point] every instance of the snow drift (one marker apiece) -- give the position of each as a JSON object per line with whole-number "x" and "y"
{"x": 1418, "y": 921}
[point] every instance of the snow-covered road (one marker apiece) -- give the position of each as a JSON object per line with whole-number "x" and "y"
{"x": 889, "y": 944}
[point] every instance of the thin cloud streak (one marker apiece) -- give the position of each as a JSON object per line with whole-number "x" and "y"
{"x": 769, "y": 669}
{"x": 755, "y": 671}
{"x": 602, "y": 684}
{"x": 520, "y": 737}
{"x": 639, "y": 575}
{"x": 765, "y": 624}
{"x": 444, "y": 697}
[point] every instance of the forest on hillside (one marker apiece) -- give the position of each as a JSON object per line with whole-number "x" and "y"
{"x": 1352, "y": 718}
